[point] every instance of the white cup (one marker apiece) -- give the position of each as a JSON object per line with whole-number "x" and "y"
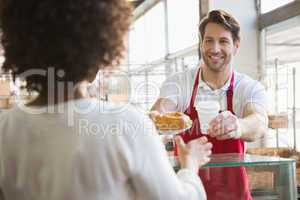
{"x": 207, "y": 111}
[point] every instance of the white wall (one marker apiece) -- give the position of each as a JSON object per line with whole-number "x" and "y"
{"x": 247, "y": 60}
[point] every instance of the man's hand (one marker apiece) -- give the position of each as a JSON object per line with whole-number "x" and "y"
{"x": 225, "y": 126}
{"x": 194, "y": 154}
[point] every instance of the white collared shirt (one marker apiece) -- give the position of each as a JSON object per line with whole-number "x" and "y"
{"x": 178, "y": 88}
{"x": 205, "y": 93}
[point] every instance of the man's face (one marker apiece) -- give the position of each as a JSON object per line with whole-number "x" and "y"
{"x": 218, "y": 48}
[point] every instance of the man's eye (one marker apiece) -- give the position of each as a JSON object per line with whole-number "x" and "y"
{"x": 208, "y": 41}
{"x": 224, "y": 42}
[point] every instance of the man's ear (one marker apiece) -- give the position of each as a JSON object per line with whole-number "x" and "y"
{"x": 200, "y": 43}
{"x": 236, "y": 46}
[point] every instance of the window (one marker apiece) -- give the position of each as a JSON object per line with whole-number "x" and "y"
{"x": 183, "y": 19}
{"x": 147, "y": 37}
{"x": 268, "y": 5}
{"x": 282, "y": 56}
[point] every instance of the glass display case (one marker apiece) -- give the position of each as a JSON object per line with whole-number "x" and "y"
{"x": 280, "y": 172}
{"x": 276, "y": 174}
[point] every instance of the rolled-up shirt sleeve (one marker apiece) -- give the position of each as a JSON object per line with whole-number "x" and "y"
{"x": 178, "y": 88}
{"x": 256, "y": 94}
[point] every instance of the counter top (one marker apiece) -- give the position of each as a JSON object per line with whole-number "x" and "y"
{"x": 235, "y": 159}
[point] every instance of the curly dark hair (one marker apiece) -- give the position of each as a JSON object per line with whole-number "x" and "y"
{"x": 224, "y": 19}
{"x": 76, "y": 36}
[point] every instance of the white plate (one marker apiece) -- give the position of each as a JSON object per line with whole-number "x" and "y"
{"x": 172, "y": 132}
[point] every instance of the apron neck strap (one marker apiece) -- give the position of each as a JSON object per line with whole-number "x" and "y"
{"x": 195, "y": 90}
{"x": 229, "y": 92}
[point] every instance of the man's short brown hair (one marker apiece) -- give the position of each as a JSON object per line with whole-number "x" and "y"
{"x": 224, "y": 19}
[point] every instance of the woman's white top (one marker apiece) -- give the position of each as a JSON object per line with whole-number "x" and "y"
{"x": 86, "y": 149}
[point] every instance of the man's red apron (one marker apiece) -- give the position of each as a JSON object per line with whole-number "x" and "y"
{"x": 220, "y": 183}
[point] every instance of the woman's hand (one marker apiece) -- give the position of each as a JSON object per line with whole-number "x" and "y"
{"x": 194, "y": 154}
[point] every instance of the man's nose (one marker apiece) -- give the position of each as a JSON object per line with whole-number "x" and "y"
{"x": 215, "y": 47}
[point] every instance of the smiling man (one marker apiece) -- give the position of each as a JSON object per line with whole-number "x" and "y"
{"x": 243, "y": 103}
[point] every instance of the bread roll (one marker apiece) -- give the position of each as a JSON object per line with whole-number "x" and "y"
{"x": 172, "y": 121}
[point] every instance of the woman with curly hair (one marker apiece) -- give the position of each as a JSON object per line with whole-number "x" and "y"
{"x": 65, "y": 145}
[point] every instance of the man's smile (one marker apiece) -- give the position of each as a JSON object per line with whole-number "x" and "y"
{"x": 216, "y": 58}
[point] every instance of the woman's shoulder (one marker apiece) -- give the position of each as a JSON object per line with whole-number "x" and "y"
{"x": 10, "y": 119}
{"x": 124, "y": 114}
{"x": 14, "y": 112}
{"x": 133, "y": 114}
